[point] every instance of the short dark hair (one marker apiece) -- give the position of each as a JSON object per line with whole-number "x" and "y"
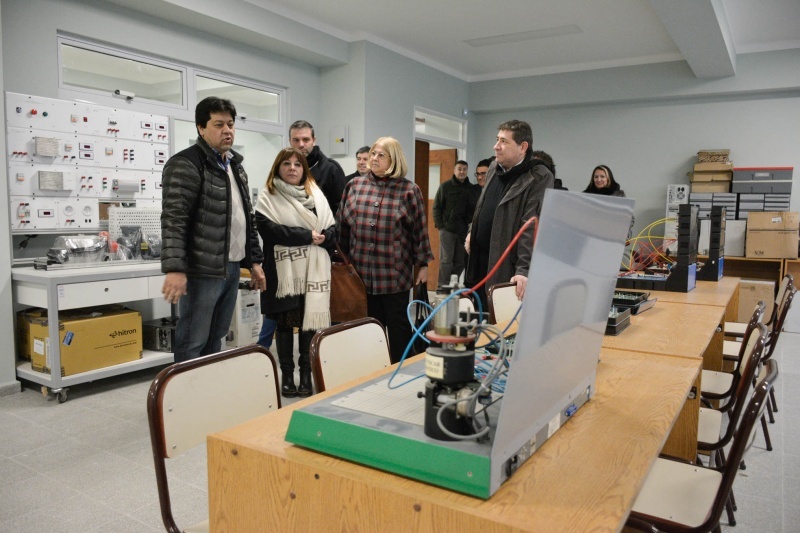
{"x": 362, "y": 150}
{"x": 520, "y": 131}
{"x": 547, "y": 158}
{"x": 212, "y": 104}
{"x": 462, "y": 162}
{"x": 484, "y": 163}
{"x": 301, "y": 124}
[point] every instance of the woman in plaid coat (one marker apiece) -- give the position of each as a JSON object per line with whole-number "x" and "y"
{"x": 383, "y": 229}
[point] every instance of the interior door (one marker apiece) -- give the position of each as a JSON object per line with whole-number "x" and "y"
{"x": 440, "y": 169}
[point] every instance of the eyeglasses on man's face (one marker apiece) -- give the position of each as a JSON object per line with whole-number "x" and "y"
{"x": 480, "y": 174}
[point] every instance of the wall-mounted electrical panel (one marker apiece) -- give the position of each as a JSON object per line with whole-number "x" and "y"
{"x": 67, "y": 158}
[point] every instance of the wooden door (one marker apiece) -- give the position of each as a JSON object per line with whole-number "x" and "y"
{"x": 441, "y": 162}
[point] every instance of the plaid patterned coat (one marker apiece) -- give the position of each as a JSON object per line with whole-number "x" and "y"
{"x": 383, "y": 229}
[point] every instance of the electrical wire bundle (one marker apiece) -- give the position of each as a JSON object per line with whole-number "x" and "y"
{"x": 490, "y": 376}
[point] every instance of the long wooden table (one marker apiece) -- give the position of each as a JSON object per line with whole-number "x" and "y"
{"x": 586, "y": 477}
{"x": 675, "y": 329}
{"x": 722, "y": 293}
{"x": 684, "y": 324}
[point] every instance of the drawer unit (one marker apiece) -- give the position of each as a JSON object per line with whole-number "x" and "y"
{"x": 154, "y": 285}
{"x": 73, "y": 295}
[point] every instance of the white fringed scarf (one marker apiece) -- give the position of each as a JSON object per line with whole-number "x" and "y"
{"x": 302, "y": 270}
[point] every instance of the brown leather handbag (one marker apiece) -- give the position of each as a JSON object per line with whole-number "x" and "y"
{"x": 348, "y": 293}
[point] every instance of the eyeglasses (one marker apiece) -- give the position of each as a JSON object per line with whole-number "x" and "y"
{"x": 379, "y": 155}
{"x": 480, "y": 173}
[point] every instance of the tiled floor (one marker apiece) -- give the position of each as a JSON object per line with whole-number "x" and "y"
{"x": 86, "y": 465}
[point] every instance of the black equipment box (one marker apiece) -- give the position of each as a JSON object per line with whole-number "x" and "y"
{"x": 159, "y": 334}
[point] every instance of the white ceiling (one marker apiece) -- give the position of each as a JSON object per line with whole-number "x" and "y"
{"x": 544, "y": 37}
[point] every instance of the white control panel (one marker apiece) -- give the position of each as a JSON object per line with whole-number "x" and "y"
{"x": 64, "y": 158}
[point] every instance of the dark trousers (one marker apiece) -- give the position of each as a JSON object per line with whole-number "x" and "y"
{"x": 390, "y": 310}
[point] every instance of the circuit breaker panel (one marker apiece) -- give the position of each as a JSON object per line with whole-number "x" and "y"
{"x": 66, "y": 159}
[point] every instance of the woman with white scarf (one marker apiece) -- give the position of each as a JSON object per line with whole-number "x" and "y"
{"x": 297, "y": 227}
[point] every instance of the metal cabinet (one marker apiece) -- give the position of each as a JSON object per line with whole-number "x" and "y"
{"x": 57, "y": 290}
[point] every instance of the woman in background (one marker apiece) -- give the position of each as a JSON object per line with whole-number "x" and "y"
{"x": 297, "y": 226}
{"x": 383, "y": 229}
{"x": 602, "y": 182}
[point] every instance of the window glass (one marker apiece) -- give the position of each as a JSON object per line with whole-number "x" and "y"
{"x": 439, "y": 127}
{"x": 258, "y": 149}
{"x": 250, "y": 103}
{"x": 93, "y": 69}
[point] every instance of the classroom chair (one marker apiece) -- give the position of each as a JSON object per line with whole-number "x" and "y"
{"x": 189, "y": 400}
{"x": 720, "y": 385}
{"x": 773, "y": 336}
{"x": 683, "y": 497}
{"x": 347, "y": 351}
{"x": 503, "y": 302}
{"x": 736, "y": 329}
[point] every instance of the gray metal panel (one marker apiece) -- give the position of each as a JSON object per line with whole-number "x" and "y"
{"x": 579, "y": 245}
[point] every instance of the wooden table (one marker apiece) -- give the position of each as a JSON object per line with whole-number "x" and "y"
{"x": 675, "y": 329}
{"x": 586, "y": 477}
{"x": 678, "y": 330}
{"x": 722, "y": 293}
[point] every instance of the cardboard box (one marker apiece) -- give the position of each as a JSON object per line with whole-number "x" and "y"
{"x": 750, "y": 293}
{"x": 246, "y": 323}
{"x": 772, "y": 235}
{"x": 713, "y": 167}
{"x": 774, "y": 221}
{"x": 95, "y": 339}
{"x": 710, "y": 176}
{"x": 711, "y": 186}
{"x": 23, "y": 329}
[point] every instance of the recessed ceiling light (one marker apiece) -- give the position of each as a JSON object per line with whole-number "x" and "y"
{"x": 558, "y": 31}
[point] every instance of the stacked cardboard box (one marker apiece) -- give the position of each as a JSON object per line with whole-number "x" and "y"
{"x": 772, "y": 235}
{"x": 713, "y": 172}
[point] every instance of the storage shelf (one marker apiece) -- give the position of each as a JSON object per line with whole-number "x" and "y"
{"x": 751, "y": 268}
{"x": 149, "y": 359}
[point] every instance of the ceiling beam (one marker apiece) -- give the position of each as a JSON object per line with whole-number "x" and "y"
{"x": 241, "y": 21}
{"x": 700, "y": 30}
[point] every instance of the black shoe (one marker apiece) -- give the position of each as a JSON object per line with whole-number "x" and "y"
{"x": 288, "y": 388}
{"x": 304, "y": 390}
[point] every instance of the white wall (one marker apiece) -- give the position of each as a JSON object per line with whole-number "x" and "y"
{"x": 394, "y": 85}
{"x": 8, "y": 374}
{"x": 344, "y": 91}
{"x": 652, "y": 142}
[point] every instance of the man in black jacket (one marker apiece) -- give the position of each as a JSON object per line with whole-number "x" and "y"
{"x": 453, "y": 207}
{"x": 208, "y": 232}
{"x": 327, "y": 172}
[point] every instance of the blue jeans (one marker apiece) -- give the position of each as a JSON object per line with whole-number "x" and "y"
{"x": 267, "y": 331}
{"x": 205, "y": 314}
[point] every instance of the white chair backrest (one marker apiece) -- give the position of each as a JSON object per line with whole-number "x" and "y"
{"x": 353, "y": 352}
{"x": 504, "y": 303}
{"x": 214, "y": 397}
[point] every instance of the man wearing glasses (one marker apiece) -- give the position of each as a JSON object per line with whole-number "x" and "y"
{"x": 480, "y": 172}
